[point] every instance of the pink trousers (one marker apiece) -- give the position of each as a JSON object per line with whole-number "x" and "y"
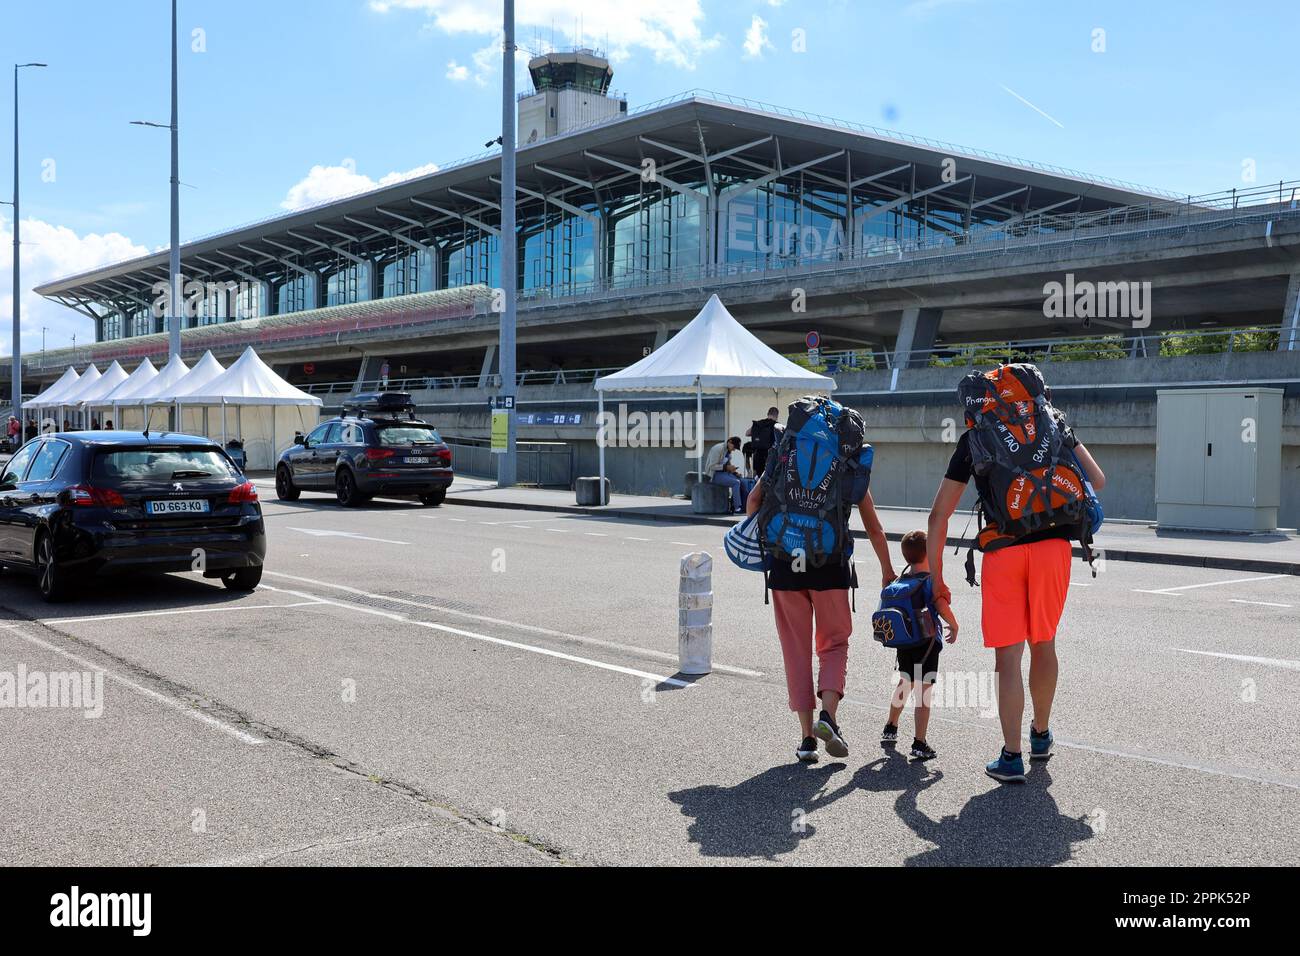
{"x": 808, "y": 620}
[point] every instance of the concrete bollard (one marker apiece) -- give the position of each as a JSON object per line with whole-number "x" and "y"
{"x": 695, "y": 614}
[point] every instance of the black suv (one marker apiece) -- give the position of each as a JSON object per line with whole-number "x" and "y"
{"x": 376, "y": 447}
{"x": 75, "y": 504}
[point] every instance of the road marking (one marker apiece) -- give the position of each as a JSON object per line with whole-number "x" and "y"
{"x": 536, "y": 629}
{"x": 516, "y": 645}
{"x": 558, "y": 530}
{"x": 186, "y": 709}
{"x": 320, "y": 533}
{"x": 54, "y": 621}
{"x": 596, "y": 534}
{"x": 1263, "y": 603}
{"x": 1208, "y": 584}
{"x": 1266, "y": 661}
{"x": 636, "y": 539}
{"x": 684, "y": 544}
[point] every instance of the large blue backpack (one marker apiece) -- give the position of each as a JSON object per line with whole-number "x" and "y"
{"x": 815, "y": 477}
{"x": 901, "y": 620}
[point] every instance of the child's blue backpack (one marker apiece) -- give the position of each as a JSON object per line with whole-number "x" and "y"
{"x": 907, "y": 616}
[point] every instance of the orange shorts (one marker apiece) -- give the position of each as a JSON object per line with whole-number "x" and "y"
{"x": 1024, "y": 588}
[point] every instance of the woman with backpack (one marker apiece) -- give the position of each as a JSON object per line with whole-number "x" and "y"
{"x": 810, "y": 592}
{"x": 1035, "y": 482}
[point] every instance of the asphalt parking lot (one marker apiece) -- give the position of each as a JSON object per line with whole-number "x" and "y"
{"x": 465, "y": 684}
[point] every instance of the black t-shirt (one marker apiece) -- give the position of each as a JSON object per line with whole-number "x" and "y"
{"x": 834, "y": 575}
{"x": 961, "y": 469}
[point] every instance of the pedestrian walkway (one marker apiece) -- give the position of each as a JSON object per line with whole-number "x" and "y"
{"x": 1277, "y": 553}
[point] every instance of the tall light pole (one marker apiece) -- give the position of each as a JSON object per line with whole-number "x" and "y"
{"x": 174, "y": 270}
{"x": 18, "y": 295}
{"x": 506, "y": 463}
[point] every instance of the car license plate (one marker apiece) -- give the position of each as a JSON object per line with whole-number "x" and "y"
{"x": 416, "y": 460}
{"x": 183, "y": 506}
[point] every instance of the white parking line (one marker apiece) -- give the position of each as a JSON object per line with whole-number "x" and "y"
{"x": 562, "y": 635}
{"x": 1263, "y": 603}
{"x": 186, "y": 709}
{"x": 1208, "y": 584}
{"x": 1266, "y": 661}
{"x": 53, "y": 621}
{"x": 516, "y": 645}
{"x": 325, "y": 533}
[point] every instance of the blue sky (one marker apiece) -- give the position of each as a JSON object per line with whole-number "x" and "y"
{"x": 297, "y": 100}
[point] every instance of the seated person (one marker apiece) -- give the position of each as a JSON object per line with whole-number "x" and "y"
{"x": 721, "y": 469}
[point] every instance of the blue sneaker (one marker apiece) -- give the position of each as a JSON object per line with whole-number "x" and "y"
{"x": 1007, "y": 769}
{"x": 1040, "y": 745}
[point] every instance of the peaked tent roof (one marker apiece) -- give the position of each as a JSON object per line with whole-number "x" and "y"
{"x": 718, "y": 352}
{"x": 84, "y": 384}
{"x": 204, "y": 371}
{"x": 150, "y": 394}
{"x": 66, "y": 382}
{"x": 141, "y": 378}
{"x": 249, "y": 381}
{"x": 111, "y": 379}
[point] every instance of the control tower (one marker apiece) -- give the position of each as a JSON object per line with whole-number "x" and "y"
{"x": 570, "y": 91}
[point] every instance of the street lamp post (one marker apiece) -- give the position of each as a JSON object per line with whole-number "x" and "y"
{"x": 174, "y": 269}
{"x": 506, "y": 463}
{"x": 18, "y": 298}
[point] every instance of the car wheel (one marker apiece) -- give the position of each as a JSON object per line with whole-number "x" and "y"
{"x": 243, "y": 579}
{"x": 345, "y": 489}
{"x": 50, "y": 577}
{"x": 285, "y": 489}
{"x": 434, "y": 498}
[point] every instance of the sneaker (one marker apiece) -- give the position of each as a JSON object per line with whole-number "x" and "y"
{"x": 921, "y": 750}
{"x": 1040, "y": 745}
{"x": 1008, "y": 768}
{"x": 829, "y": 733}
{"x": 889, "y": 735}
{"x": 807, "y": 750}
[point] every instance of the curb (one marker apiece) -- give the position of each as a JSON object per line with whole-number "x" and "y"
{"x": 1256, "y": 565}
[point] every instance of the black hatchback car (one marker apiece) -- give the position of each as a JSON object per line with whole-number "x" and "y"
{"x": 376, "y": 447}
{"x": 75, "y": 504}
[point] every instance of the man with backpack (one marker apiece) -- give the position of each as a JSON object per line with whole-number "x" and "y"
{"x": 763, "y": 435}
{"x": 815, "y": 477}
{"x": 1036, "y": 485}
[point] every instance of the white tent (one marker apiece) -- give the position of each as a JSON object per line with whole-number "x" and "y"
{"x": 193, "y": 420}
{"x": 133, "y": 410}
{"x": 266, "y": 406}
{"x": 94, "y": 396}
{"x": 714, "y": 354}
{"x": 72, "y": 396}
{"x": 50, "y": 397}
{"x": 137, "y": 381}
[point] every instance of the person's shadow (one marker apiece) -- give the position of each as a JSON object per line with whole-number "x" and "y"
{"x": 1009, "y": 825}
{"x": 759, "y": 818}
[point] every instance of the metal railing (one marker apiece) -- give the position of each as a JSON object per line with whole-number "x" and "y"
{"x": 558, "y": 376}
{"x": 540, "y": 464}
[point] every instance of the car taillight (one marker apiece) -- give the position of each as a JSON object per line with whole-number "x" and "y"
{"x": 91, "y": 497}
{"x": 245, "y": 494}
{"x": 445, "y": 455}
{"x": 378, "y": 454}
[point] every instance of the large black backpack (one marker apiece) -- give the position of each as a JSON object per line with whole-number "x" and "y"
{"x": 763, "y": 434}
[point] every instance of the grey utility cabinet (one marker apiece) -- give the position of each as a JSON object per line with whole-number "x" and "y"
{"x": 1218, "y": 458}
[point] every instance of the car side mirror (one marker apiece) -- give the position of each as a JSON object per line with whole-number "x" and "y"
{"x": 300, "y": 440}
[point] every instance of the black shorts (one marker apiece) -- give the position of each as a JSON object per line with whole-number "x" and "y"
{"x": 923, "y": 656}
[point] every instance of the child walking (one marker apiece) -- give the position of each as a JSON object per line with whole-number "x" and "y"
{"x": 918, "y": 664}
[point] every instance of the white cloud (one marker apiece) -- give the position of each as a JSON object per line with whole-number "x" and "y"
{"x": 457, "y": 72}
{"x": 324, "y": 183}
{"x": 53, "y": 252}
{"x": 669, "y": 30}
{"x": 756, "y": 40}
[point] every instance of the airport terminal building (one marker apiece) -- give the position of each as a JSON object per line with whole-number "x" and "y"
{"x": 901, "y": 253}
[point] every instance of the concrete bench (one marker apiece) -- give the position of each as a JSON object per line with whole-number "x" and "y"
{"x": 710, "y": 499}
{"x": 692, "y": 479}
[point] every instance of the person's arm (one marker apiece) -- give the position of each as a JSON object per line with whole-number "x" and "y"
{"x": 755, "y": 499}
{"x": 945, "y": 611}
{"x": 946, "y": 500}
{"x": 876, "y": 534}
{"x": 1095, "y": 474}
